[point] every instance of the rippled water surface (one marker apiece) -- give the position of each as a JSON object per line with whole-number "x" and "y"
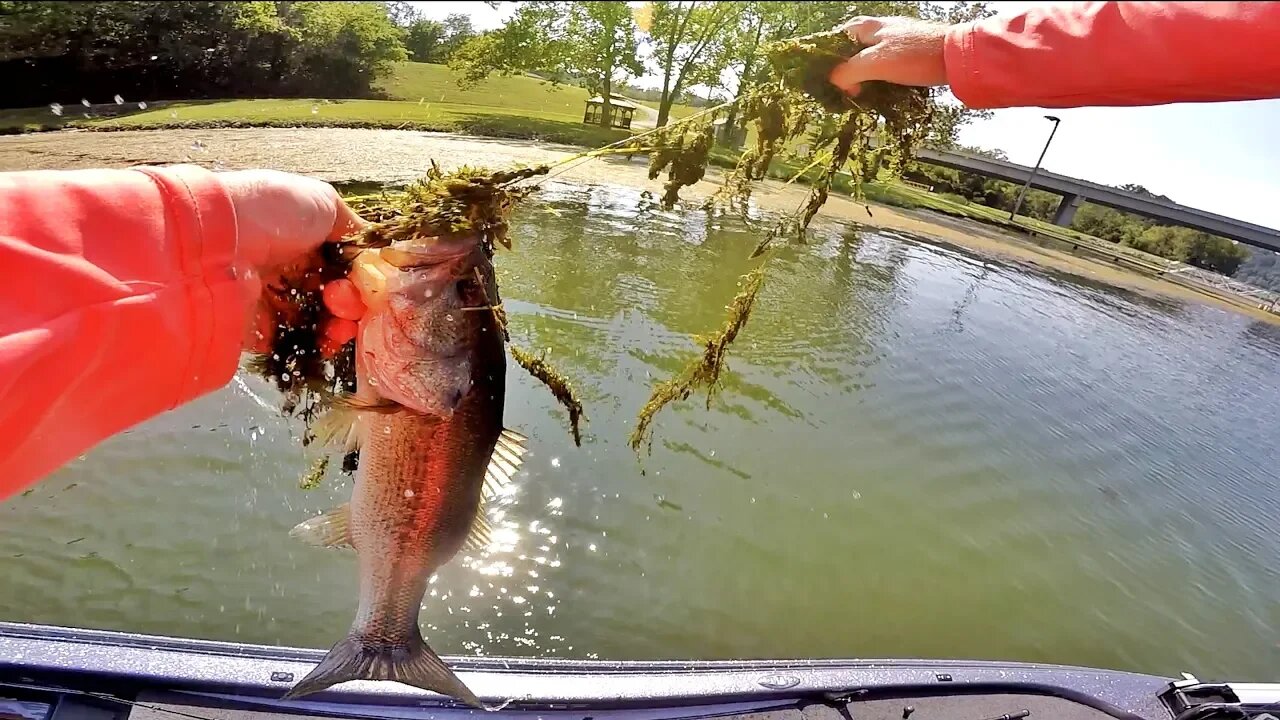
{"x": 917, "y": 453}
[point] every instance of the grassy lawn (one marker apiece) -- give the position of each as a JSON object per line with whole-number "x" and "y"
{"x": 415, "y": 96}
{"x": 419, "y": 97}
{"x": 429, "y": 83}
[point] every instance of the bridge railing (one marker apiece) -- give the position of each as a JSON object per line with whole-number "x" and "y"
{"x": 1265, "y": 299}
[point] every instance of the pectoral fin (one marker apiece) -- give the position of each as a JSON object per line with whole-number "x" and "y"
{"x": 341, "y": 426}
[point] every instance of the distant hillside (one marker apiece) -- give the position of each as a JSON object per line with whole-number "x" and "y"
{"x": 1262, "y": 268}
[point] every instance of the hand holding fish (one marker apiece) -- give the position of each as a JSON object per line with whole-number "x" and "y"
{"x": 140, "y": 290}
{"x": 281, "y": 221}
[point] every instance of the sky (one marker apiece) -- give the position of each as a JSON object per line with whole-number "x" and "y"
{"x": 1219, "y": 157}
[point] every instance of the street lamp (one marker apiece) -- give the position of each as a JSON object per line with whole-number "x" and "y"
{"x": 1018, "y": 203}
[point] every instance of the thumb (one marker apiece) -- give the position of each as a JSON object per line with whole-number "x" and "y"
{"x": 849, "y": 74}
{"x": 346, "y": 222}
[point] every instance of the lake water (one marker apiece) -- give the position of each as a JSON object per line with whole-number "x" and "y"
{"x": 917, "y": 453}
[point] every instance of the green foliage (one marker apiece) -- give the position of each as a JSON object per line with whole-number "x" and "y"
{"x": 431, "y": 41}
{"x": 1191, "y": 247}
{"x": 1175, "y": 243}
{"x": 173, "y": 50}
{"x": 591, "y": 42}
{"x": 1108, "y": 224}
{"x": 975, "y": 188}
{"x": 687, "y": 40}
{"x": 423, "y": 39}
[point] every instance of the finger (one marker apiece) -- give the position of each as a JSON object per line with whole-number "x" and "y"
{"x": 335, "y": 333}
{"x": 849, "y": 74}
{"x": 862, "y": 30}
{"x": 343, "y": 299}
{"x": 346, "y": 223}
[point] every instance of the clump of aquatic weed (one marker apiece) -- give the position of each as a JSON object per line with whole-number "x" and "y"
{"x": 793, "y": 95}
{"x": 789, "y": 99}
{"x": 557, "y": 384}
{"x": 705, "y": 371}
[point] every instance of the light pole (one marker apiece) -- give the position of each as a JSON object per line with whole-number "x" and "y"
{"x": 1018, "y": 203}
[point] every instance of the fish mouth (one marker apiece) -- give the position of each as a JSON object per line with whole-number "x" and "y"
{"x": 376, "y": 271}
{"x": 415, "y": 254}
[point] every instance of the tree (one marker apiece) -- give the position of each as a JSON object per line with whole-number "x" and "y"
{"x": 996, "y": 154}
{"x": 1143, "y": 191}
{"x": 760, "y": 23}
{"x": 423, "y": 39}
{"x": 685, "y": 36}
{"x": 457, "y": 30}
{"x": 591, "y": 42}
{"x": 1192, "y": 247}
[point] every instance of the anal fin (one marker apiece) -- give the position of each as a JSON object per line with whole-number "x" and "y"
{"x": 332, "y": 529}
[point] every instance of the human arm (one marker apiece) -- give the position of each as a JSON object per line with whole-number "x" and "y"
{"x": 124, "y": 293}
{"x": 1081, "y": 54}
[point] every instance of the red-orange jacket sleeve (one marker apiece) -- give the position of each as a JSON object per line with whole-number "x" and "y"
{"x": 1117, "y": 53}
{"x": 118, "y": 301}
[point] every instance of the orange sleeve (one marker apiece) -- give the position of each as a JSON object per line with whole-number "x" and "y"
{"x": 1117, "y": 53}
{"x": 119, "y": 301}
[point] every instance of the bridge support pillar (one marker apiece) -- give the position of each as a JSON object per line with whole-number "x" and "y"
{"x": 1067, "y": 210}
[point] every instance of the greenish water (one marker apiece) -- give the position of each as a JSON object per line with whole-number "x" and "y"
{"x": 917, "y": 453}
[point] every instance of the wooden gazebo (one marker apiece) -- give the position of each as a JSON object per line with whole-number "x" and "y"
{"x": 623, "y": 110}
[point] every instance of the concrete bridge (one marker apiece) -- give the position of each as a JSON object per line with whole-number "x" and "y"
{"x": 1076, "y": 192}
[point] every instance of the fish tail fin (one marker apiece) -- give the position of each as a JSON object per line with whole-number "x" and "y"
{"x": 411, "y": 662}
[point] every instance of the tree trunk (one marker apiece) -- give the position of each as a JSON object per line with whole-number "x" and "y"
{"x": 664, "y": 103}
{"x": 748, "y": 68}
{"x": 606, "y": 105}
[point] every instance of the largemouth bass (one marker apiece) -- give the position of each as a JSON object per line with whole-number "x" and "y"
{"x": 427, "y": 419}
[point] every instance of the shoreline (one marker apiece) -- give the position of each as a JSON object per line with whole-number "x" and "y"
{"x": 345, "y": 155}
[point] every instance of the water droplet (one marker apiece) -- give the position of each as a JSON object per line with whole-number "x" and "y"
{"x": 84, "y": 102}
{"x": 555, "y": 462}
{"x": 119, "y": 100}
{"x": 592, "y": 547}
{"x": 408, "y": 493}
{"x": 155, "y": 57}
{"x": 555, "y": 502}
{"x": 315, "y": 109}
{"x": 142, "y": 106}
{"x": 56, "y": 109}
